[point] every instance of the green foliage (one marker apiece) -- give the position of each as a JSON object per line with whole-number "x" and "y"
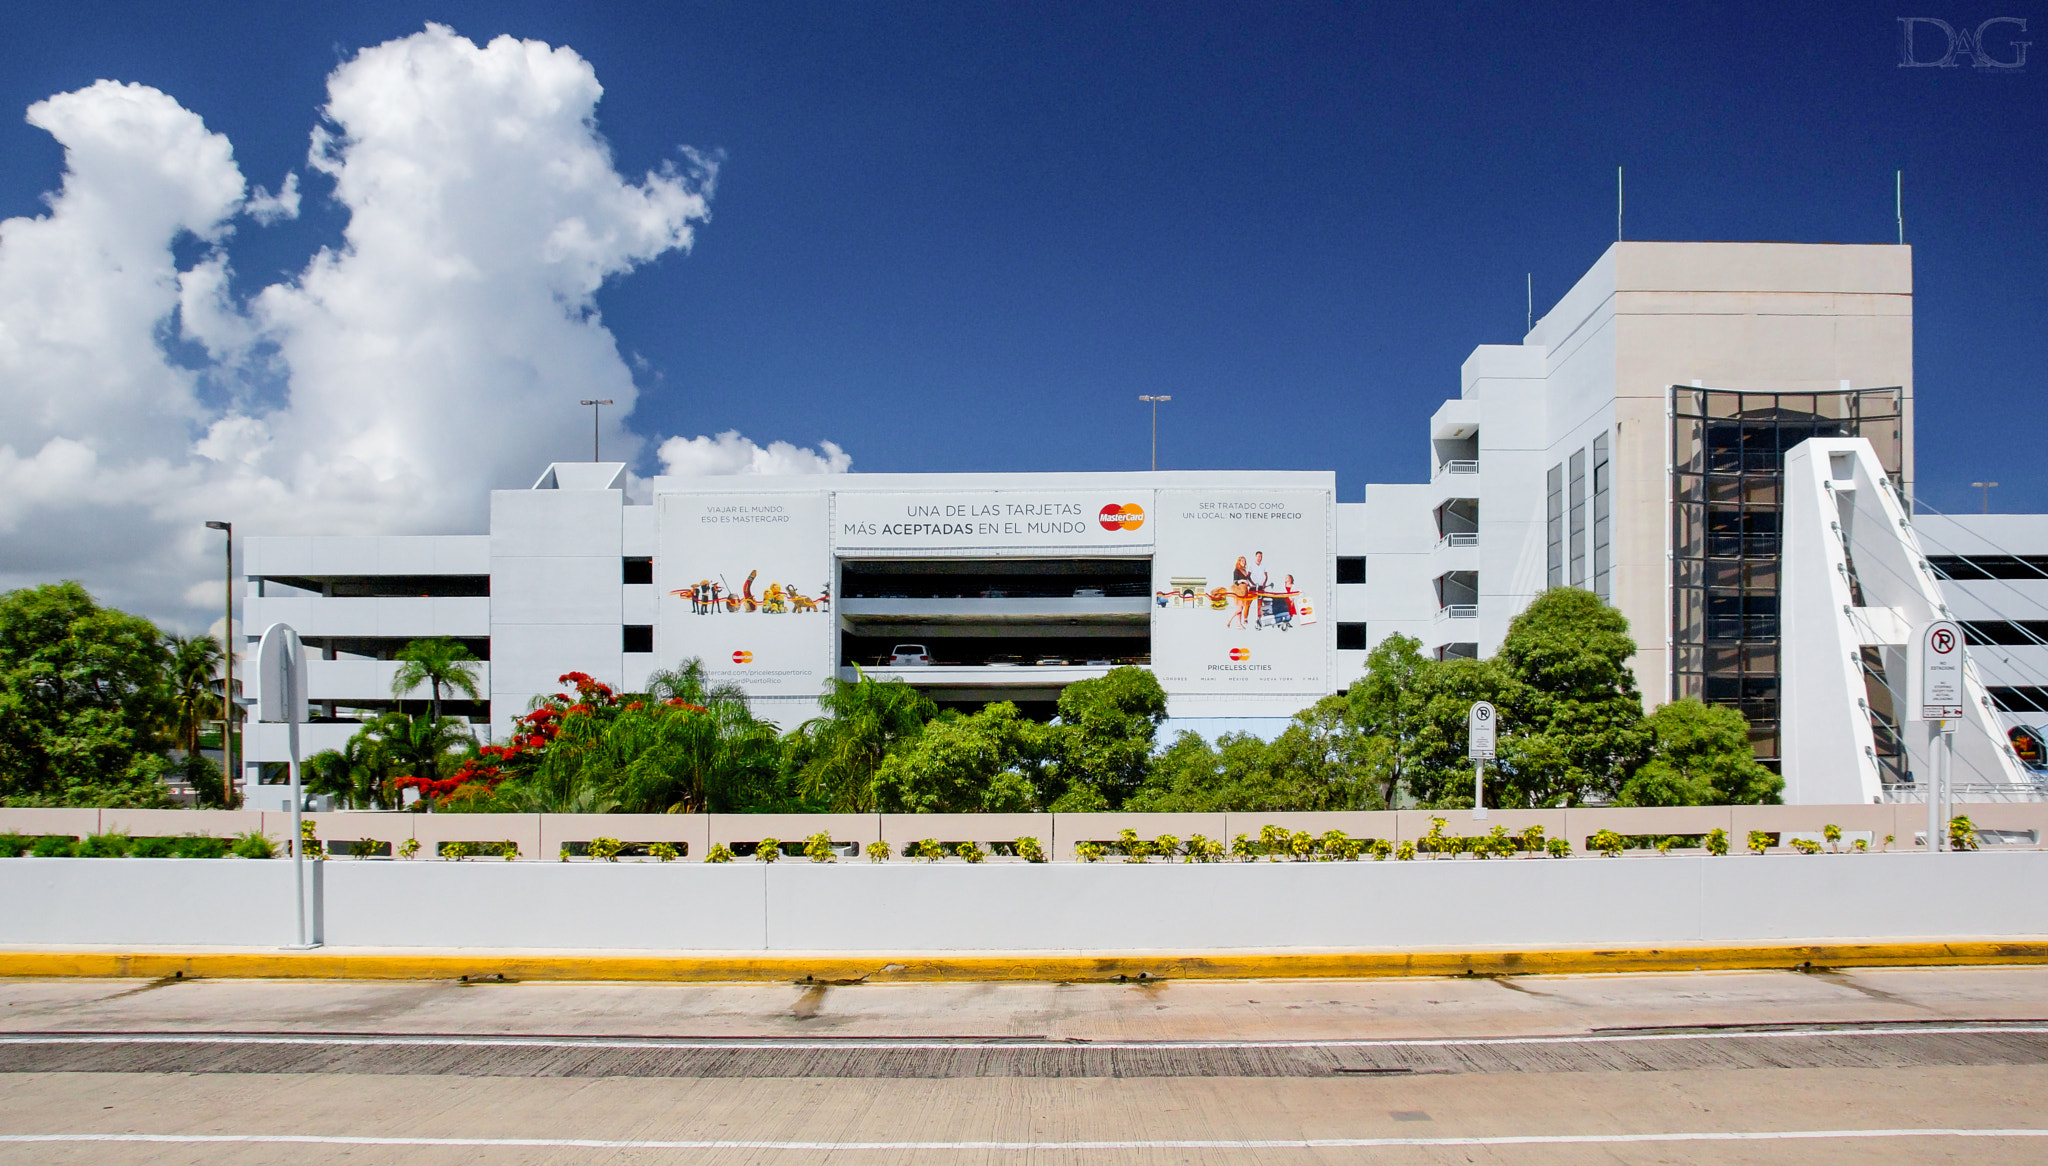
{"x": 1405, "y": 852}
{"x": 1243, "y": 849}
{"x": 1337, "y": 846}
{"x": 1558, "y": 848}
{"x": 1716, "y": 842}
{"x": 85, "y": 702}
{"x": 1531, "y": 839}
{"x": 1702, "y": 757}
{"x": 768, "y": 850}
{"x": 818, "y": 848}
{"x": 253, "y": 844}
{"x": 1382, "y": 850}
{"x": 1165, "y": 846}
{"x": 1132, "y": 847}
{"x": 154, "y": 848}
{"x": 408, "y": 848}
{"x": 1088, "y": 851}
{"x": 662, "y": 852}
{"x": 878, "y": 851}
{"x": 438, "y": 664}
{"x": 105, "y": 846}
{"x": 925, "y": 850}
{"x": 1862, "y": 846}
{"x": 1806, "y": 846}
{"x": 509, "y": 850}
{"x": 1962, "y": 833}
{"x": 1108, "y": 726}
{"x": 1833, "y": 834}
{"x": 1029, "y": 850}
{"x": 1607, "y": 842}
{"x": 970, "y": 851}
{"x": 837, "y": 757}
{"x": 605, "y": 849}
{"x": 1759, "y": 841}
{"x": 55, "y": 846}
{"x": 992, "y": 762}
{"x": 719, "y": 853}
{"x": 1201, "y": 849}
{"x": 15, "y": 845}
{"x": 203, "y": 846}
{"x": 454, "y": 851}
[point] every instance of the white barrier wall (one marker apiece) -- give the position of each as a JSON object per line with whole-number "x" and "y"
{"x": 911, "y": 907}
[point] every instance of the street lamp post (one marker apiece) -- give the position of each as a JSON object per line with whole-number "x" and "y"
{"x": 1155, "y": 425}
{"x": 227, "y": 684}
{"x": 596, "y": 407}
{"x": 1986, "y": 487}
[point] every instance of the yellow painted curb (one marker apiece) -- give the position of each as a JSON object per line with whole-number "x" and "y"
{"x": 925, "y": 968}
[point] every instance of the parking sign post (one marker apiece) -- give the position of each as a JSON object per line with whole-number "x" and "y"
{"x": 1480, "y": 725}
{"x": 1938, "y": 699}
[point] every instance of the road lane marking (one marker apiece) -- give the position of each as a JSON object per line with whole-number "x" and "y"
{"x": 1119, "y": 1144}
{"x": 759, "y": 1044}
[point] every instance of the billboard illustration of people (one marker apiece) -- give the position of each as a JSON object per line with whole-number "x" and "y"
{"x": 715, "y": 596}
{"x": 1239, "y": 577}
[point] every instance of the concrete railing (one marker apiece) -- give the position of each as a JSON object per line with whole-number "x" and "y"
{"x": 2002, "y": 825}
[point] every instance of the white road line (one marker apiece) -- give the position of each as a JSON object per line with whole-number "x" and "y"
{"x": 864, "y": 1043}
{"x": 1121, "y": 1144}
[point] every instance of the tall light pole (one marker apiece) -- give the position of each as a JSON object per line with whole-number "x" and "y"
{"x": 227, "y": 684}
{"x": 1986, "y": 487}
{"x": 1155, "y": 426}
{"x": 596, "y": 407}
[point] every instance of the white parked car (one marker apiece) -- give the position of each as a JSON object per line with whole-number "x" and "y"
{"x": 909, "y": 656}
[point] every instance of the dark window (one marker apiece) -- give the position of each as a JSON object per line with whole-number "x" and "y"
{"x": 1351, "y": 570}
{"x": 2011, "y": 633}
{"x": 638, "y": 571}
{"x": 639, "y": 637}
{"x": 2021, "y": 698}
{"x": 1351, "y": 637}
{"x": 1969, "y": 567}
{"x": 387, "y": 586}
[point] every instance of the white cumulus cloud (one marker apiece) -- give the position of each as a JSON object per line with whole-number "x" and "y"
{"x": 435, "y": 352}
{"x": 730, "y": 453}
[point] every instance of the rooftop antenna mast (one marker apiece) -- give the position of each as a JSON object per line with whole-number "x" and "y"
{"x": 1617, "y": 204}
{"x": 1530, "y": 326}
{"x": 1899, "y": 203}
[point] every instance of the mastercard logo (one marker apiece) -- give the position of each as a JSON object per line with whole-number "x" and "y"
{"x": 1129, "y": 516}
{"x": 743, "y": 657}
{"x": 1240, "y": 653}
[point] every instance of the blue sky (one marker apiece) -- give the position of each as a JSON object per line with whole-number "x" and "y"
{"x": 963, "y": 237}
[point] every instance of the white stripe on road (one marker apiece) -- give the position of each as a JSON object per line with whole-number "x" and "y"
{"x": 941, "y": 1043}
{"x": 1132, "y": 1144}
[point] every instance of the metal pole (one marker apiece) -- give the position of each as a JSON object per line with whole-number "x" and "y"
{"x": 298, "y": 799}
{"x": 1899, "y": 203}
{"x": 227, "y": 684}
{"x": 1948, "y": 779}
{"x": 1933, "y": 792}
{"x": 1478, "y": 789}
{"x": 1617, "y": 204}
{"x": 1155, "y": 437}
{"x": 595, "y": 408}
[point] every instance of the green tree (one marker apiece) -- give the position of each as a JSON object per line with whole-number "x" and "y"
{"x": 689, "y": 747}
{"x": 993, "y": 762}
{"x": 1575, "y": 729}
{"x": 1702, "y": 756}
{"x": 84, "y": 701}
{"x": 438, "y": 663}
{"x": 194, "y": 663}
{"x": 837, "y": 756}
{"x": 358, "y": 775}
{"x": 1107, "y": 729}
{"x": 1386, "y": 703}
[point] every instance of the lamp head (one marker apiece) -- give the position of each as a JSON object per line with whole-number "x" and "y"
{"x": 220, "y": 525}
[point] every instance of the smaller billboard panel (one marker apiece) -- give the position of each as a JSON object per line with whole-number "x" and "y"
{"x": 1241, "y": 591}
{"x": 993, "y": 520}
{"x": 745, "y": 586}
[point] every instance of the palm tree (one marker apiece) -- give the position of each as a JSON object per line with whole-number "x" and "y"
{"x": 690, "y": 748}
{"x": 194, "y": 663}
{"x": 838, "y": 754}
{"x": 440, "y": 663}
{"x": 416, "y": 746}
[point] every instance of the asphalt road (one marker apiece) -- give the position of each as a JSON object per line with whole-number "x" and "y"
{"x": 1867, "y": 1066}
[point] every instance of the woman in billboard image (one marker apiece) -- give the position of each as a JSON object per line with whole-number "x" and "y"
{"x": 1243, "y": 595}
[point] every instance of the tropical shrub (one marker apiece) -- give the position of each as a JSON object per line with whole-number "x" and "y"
{"x": 970, "y": 851}
{"x": 309, "y": 838}
{"x": 768, "y": 850}
{"x": 1806, "y": 846}
{"x": 1558, "y": 848}
{"x": 1759, "y": 841}
{"x": 105, "y": 846}
{"x": 1243, "y": 849}
{"x": 1088, "y": 851}
{"x": 253, "y": 844}
{"x": 1962, "y": 833}
{"x": 1833, "y": 834}
{"x": 1382, "y": 849}
{"x": 1029, "y": 850}
{"x": 1166, "y": 846}
{"x": 1531, "y": 839}
{"x": 154, "y": 848}
{"x": 1862, "y": 846}
{"x": 818, "y": 848}
{"x": 1405, "y": 852}
{"x": 879, "y": 851}
{"x": 1201, "y": 849}
{"x": 411, "y": 846}
{"x": 1607, "y": 842}
{"x": 54, "y": 846}
{"x": 719, "y": 853}
{"x": 203, "y": 846}
{"x": 454, "y": 851}
{"x": 1716, "y": 842}
{"x": 1133, "y": 848}
{"x": 1434, "y": 842}
{"x": 925, "y": 850}
{"x": 662, "y": 852}
{"x": 1337, "y": 846}
{"x": 15, "y": 845}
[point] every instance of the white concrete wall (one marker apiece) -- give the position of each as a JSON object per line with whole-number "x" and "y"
{"x": 1107, "y": 907}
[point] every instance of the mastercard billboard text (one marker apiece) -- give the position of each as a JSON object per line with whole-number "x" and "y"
{"x": 743, "y": 657}
{"x": 1240, "y": 653}
{"x": 1129, "y": 516}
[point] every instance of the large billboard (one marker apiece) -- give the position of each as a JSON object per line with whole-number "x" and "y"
{"x": 966, "y": 521}
{"x": 745, "y": 585}
{"x": 1241, "y": 591}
